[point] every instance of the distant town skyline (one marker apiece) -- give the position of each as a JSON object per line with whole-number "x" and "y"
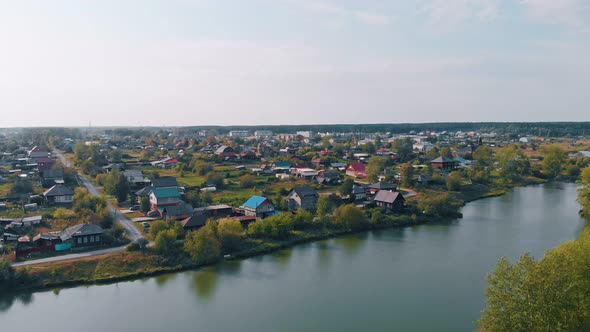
{"x": 292, "y": 62}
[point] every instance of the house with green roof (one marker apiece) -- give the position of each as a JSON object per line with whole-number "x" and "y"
{"x": 166, "y": 200}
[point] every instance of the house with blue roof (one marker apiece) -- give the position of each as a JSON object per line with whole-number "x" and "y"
{"x": 259, "y": 207}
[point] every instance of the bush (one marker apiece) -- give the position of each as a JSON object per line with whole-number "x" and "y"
{"x": 454, "y": 181}
{"x": 203, "y": 245}
{"x": 142, "y": 243}
{"x": 349, "y": 217}
{"x": 215, "y": 179}
{"x": 277, "y": 227}
{"x": 438, "y": 204}
{"x": 134, "y": 246}
{"x": 62, "y": 213}
{"x": 156, "y": 227}
{"x": 6, "y": 273}
{"x": 230, "y": 233}
{"x": 247, "y": 181}
{"x": 165, "y": 242}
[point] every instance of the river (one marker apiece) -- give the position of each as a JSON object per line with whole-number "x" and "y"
{"x": 423, "y": 278}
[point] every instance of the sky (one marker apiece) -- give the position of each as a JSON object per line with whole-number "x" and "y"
{"x": 256, "y": 62}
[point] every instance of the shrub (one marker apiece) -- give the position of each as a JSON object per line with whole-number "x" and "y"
{"x": 230, "y": 233}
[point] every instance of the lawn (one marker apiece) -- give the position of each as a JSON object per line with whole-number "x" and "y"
{"x": 188, "y": 180}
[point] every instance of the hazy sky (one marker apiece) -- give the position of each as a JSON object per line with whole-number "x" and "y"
{"x": 221, "y": 62}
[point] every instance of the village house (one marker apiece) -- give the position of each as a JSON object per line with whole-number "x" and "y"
{"x": 136, "y": 179}
{"x": 44, "y": 163}
{"x": 443, "y": 163}
{"x": 390, "y": 200}
{"x": 51, "y": 177}
{"x": 305, "y": 173}
{"x": 338, "y": 166}
{"x": 304, "y": 198}
{"x": 82, "y": 235}
{"x": 356, "y": 170}
{"x": 215, "y": 211}
{"x": 225, "y": 152}
{"x": 329, "y": 177}
{"x": 259, "y": 207}
{"x": 59, "y": 194}
{"x": 194, "y": 222}
{"x": 281, "y": 166}
{"x": 163, "y": 182}
{"x": 359, "y": 193}
{"x": 379, "y": 186}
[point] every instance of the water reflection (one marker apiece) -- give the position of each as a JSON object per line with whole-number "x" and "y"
{"x": 204, "y": 282}
{"x": 230, "y": 268}
{"x": 352, "y": 244}
{"x": 282, "y": 258}
{"x": 324, "y": 254}
{"x": 8, "y": 300}
{"x": 163, "y": 279}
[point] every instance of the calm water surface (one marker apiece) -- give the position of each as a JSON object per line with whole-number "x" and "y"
{"x": 423, "y": 278}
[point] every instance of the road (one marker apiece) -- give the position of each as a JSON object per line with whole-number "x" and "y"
{"x": 70, "y": 256}
{"x": 131, "y": 231}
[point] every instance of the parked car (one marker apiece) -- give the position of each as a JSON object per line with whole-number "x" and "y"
{"x": 135, "y": 208}
{"x": 153, "y": 214}
{"x": 146, "y": 224}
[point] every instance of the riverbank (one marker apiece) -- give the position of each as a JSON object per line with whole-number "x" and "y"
{"x": 133, "y": 265}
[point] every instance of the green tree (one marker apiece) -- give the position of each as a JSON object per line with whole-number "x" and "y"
{"x": 116, "y": 185}
{"x": 349, "y": 217}
{"x": 22, "y": 186}
{"x": 63, "y": 213}
{"x": 369, "y": 147}
{"x": 6, "y": 273}
{"x": 231, "y": 233}
{"x": 158, "y": 226}
{"x": 546, "y": 295}
{"x": 324, "y": 206}
{"x": 346, "y": 187}
{"x": 446, "y": 152}
{"x": 454, "y": 181}
{"x": 145, "y": 204}
{"x": 584, "y": 191}
{"x": 375, "y": 167}
{"x": 203, "y": 245}
{"x": 403, "y": 148}
{"x": 513, "y": 164}
{"x": 554, "y": 158}
{"x": 432, "y": 154}
{"x": 215, "y": 179}
{"x": 247, "y": 181}
{"x": 483, "y": 158}
{"x": 438, "y": 204}
{"x": 199, "y": 166}
{"x": 407, "y": 175}
{"x": 165, "y": 242}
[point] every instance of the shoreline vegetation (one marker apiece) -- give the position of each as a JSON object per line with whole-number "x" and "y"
{"x": 148, "y": 262}
{"x": 546, "y": 294}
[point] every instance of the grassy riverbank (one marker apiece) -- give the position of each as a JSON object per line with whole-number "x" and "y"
{"x": 131, "y": 265}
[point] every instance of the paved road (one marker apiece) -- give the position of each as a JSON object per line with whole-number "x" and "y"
{"x": 132, "y": 232}
{"x": 70, "y": 256}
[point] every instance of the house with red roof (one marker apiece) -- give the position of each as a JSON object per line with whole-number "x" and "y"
{"x": 356, "y": 170}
